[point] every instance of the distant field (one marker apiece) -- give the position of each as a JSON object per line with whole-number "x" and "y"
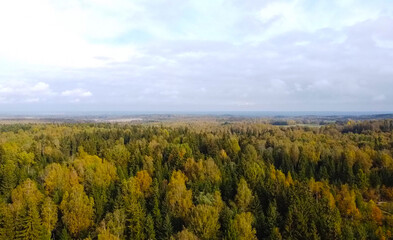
{"x": 312, "y": 125}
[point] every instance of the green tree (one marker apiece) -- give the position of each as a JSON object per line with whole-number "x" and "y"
{"x": 275, "y": 234}
{"x": 29, "y": 225}
{"x": 272, "y": 217}
{"x": 244, "y": 195}
{"x": 149, "y": 228}
{"x": 113, "y": 225}
{"x": 8, "y": 178}
{"x": 167, "y": 227}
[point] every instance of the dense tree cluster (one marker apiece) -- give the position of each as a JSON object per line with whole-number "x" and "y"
{"x": 243, "y": 180}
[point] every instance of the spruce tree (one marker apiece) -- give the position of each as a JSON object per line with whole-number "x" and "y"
{"x": 136, "y": 220}
{"x": 167, "y": 227}
{"x": 29, "y": 226}
{"x": 149, "y": 228}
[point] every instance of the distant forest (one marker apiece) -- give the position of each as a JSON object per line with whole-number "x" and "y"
{"x": 196, "y": 180}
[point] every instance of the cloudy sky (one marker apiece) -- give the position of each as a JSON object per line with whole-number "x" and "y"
{"x": 201, "y": 55}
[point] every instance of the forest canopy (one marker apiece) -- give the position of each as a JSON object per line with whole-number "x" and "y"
{"x": 238, "y": 180}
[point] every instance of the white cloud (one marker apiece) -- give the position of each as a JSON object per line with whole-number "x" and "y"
{"x": 20, "y": 91}
{"x": 39, "y": 87}
{"x": 76, "y": 93}
{"x": 27, "y": 92}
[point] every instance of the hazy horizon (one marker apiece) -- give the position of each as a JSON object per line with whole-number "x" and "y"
{"x": 120, "y": 114}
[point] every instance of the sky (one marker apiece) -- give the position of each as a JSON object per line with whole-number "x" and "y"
{"x": 199, "y": 55}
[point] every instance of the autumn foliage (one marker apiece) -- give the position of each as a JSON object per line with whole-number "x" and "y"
{"x": 197, "y": 180}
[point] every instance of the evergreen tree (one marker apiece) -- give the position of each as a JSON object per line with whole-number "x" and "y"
{"x": 167, "y": 227}
{"x": 275, "y": 234}
{"x": 136, "y": 220}
{"x": 241, "y": 227}
{"x": 29, "y": 227}
{"x": 65, "y": 235}
{"x": 8, "y": 178}
{"x": 272, "y": 217}
{"x": 158, "y": 222}
{"x": 149, "y": 228}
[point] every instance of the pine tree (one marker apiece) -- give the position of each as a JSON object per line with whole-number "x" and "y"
{"x": 347, "y": 233}
{"x": 100, "y": 200}
{"x": 167, "y": 227}
{"x": 136, "y": 220}
{"x": 29, "y": 226}
{"x": 314, "y": 232}
{"x": 272, "y": 217}
{"x": 8, "y": 178}
{"x": 260, "y": 218}
{"x": 149, "y": 228}
{"x": 157, "y": 215}
{"x": 275, "y": 234}
{"x": 65, "y": 235}
{"x": 7, "y": 221}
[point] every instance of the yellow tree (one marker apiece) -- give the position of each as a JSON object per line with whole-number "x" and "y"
{"x": 59, "y": 178}
{"x": 186, "y": 235}
{"x": 346, "y": 203}
{"x": 254, "y": 172}
{"x": 321, "y": 190}
{"x": 203, "y": 171}
{"x": 234, "y": 145}
{"x": 77, "y": 209}
{"x": 376, "y": 213}
{"x": 25, "y": 201}
{"x": 26, "y": 160}
{"x": 26, "y": 192}
{"x": 105, "y": 234}
{"x": 148, "y": 164}
{"x": 203, "y": 221}
{"x": 53, "y": 177}
{"x": 95, "y": 171}
{"x": 49, "y": 215}
{"x": 178, "y": 197}
{"x": 144, "y": 182}
{"x": 241, "y": 227}
{"x": 97, "y": 176}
